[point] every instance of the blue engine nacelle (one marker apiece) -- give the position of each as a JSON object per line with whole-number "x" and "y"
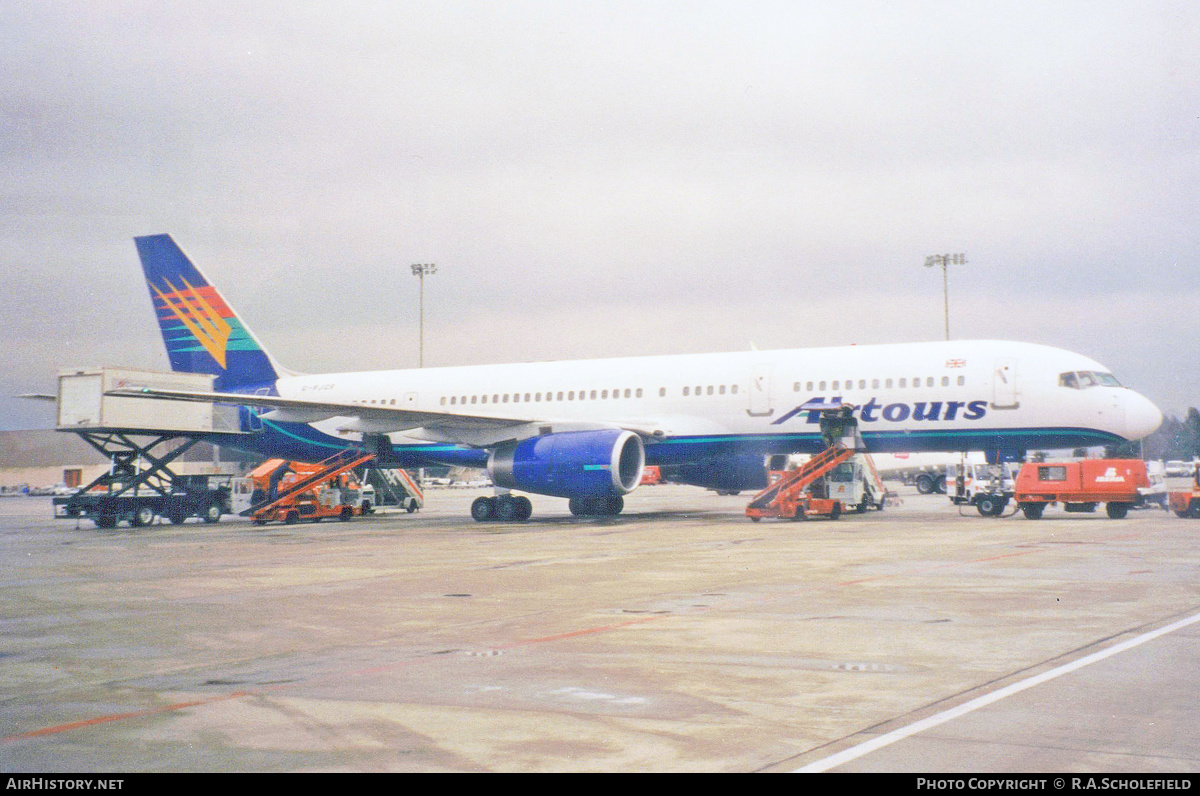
{"x": 571, "y": 464}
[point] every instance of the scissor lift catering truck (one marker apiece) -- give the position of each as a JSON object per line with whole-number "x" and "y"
{"x": 141, "y": 438}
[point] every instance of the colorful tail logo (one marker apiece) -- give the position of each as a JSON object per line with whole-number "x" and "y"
{"x": 196, "y": 312}
{"x": 201, "y": 331}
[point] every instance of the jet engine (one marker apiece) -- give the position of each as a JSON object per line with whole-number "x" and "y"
{"x": 584, "y": 465}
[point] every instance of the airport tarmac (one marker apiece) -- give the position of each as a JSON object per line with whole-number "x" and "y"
{"x": 679, "y": 636}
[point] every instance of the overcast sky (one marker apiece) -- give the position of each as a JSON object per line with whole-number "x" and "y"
{"x": 603, "y": 178}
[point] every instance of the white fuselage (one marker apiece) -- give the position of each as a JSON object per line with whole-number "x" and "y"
{"x": 957, "y": 395}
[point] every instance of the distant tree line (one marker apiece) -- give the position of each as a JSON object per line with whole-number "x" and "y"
{"x": 1175, "y": 439}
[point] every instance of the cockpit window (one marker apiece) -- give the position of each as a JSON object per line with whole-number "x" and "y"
{"x": 1082, "y": 379}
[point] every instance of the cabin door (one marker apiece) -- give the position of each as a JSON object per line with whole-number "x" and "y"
{"x": 1004, "y": 384}
{"x": 760, "y": 392}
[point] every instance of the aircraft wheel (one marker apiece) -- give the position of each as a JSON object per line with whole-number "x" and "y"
{"x": 483, "y": 509}
{"x": 524, "y": 508}
{"x": 507, "y": 509}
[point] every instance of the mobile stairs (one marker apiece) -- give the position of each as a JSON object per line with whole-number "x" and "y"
{"x": 819, "y": 488}
{"x": 790, "y": 498}
{"x": 284, "y": 503}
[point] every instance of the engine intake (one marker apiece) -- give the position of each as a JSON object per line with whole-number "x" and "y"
{"x": 571, "y": 464}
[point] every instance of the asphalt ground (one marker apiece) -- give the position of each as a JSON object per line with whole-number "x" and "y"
{"x": 677, "y": 637}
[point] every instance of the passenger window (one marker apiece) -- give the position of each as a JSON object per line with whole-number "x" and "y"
{"x": 685, "y": 392}
{"x": 734, "y": 389}
{"x": 945, "y": 381}
{"x": 962, "y": 380}
{"x": 903, "y": 383}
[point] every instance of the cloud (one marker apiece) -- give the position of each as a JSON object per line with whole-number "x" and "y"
{"x": 613, "y": 172}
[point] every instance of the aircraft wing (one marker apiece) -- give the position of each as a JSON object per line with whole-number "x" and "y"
{"x": 303, "y": 410}
{"x": 475, "y": 430}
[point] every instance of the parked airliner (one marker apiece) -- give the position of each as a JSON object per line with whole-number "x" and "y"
{"x": 585, "y": 430}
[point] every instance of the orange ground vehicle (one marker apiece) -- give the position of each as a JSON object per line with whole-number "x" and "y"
{"x": 283, "y": 491}
{"x": 1081, "y": 485}
{"x": 1187, "y": 503}
{"x": 820, "y": 488}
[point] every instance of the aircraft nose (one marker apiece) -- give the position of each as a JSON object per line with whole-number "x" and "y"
{"x": 1142, "y": 417}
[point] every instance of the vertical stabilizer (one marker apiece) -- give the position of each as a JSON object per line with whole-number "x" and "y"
{"x": 202, "y": 333}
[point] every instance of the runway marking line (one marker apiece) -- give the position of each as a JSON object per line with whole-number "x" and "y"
{"x": 855, "y": 752}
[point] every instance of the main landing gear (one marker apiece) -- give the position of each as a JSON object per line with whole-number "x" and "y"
{"x": 501, "y": 508}
{"x": 596, "y": 507}
{"x": 517, "y": 508}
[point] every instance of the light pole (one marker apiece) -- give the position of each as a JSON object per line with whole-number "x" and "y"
{"x": 420, "y": 270}
{"x": 943, "y": 260}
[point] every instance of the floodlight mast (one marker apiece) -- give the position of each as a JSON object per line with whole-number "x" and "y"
{"x": 420, "y": 270}
{"x": 943, "y": 260}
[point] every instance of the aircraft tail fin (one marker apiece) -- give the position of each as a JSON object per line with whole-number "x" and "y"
{"x": 201, "y": 331}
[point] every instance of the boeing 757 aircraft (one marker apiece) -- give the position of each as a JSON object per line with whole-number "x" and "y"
{"x": 585, "y": 430}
